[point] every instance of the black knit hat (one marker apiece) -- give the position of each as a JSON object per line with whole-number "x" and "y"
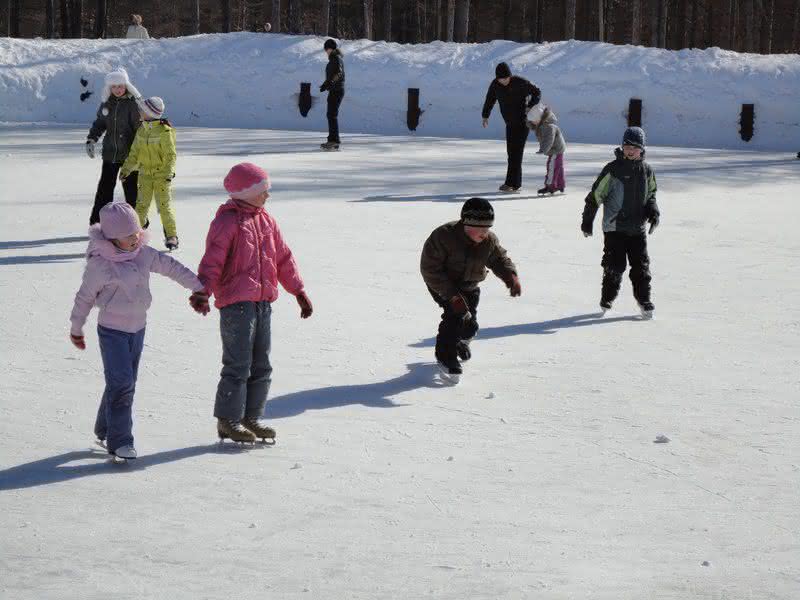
{"x": 477, "y": 212}
{"x": 634, "y": 136}
{"x": 330, "y": 44}
{"x": 502, "y": 70}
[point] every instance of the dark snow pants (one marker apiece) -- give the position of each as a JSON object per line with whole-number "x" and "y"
{"x": 455, "y": 327}
{"x": 619, "y": 249}
{"x": 516, "y": 136}
{"x": 334, "y": 101}
{"x": 106, "y": 185}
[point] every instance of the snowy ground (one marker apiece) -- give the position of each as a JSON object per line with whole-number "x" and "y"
{"x": 536, "y": 477}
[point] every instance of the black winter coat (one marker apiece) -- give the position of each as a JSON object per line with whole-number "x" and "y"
{"x": 334, "y": 73}
{"x": 515, "y": 99}
{"x": 119, "y": 119}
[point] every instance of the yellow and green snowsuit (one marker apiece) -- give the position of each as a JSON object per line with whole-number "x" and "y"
{"x": 153, "y": 154}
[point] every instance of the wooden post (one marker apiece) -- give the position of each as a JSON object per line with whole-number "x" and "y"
{"x": 304, "y": 100}
{"x": 635, "y": 112}
{"x": 746, "y": 121}
{"x": 413, "y": 114}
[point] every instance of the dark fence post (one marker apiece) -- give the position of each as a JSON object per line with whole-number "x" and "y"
{"x": 635, "y": 113}
{"x": 746, "y": 121}
{"x": 413, "y": 114}
{"x": 304, "y": 100}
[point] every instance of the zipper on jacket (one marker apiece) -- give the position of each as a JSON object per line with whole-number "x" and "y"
{"x": 116, "y": 145}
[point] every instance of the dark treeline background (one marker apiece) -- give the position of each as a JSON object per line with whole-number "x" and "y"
{"x": 766, "y": 26}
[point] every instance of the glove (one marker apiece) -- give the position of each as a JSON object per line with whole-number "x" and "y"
{"x": 459, "y": 305}
{"x": 199, "y": 302}
{"x": 77, "y": 341}
{"x": 90, "y": 148}
{"x": 654, "y": 220}
{"x": 586, "y": 228}
{"x": 322, "y": 88}
{"x": 306, "y": 309}
{"x": 512, "y": 283}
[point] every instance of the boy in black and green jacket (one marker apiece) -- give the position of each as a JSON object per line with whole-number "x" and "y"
{"x": 626, "y": 188}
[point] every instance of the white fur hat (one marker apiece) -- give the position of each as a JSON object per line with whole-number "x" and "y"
{"x": 119, "y": 77}
{"x": 153, "y": 107}
{"x": 535, "y": 112}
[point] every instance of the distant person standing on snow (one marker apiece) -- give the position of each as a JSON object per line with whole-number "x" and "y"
{"x": 118, "y": 119}
{"x": 334, "y": 84}
{"x": 135, "y": 29}
{"x": 515, "y": 95}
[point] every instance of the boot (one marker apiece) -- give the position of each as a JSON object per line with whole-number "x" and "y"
{"x": 258, "y": 428}
{"x": 449, "y": 364}
{"x": 234, "y": 431}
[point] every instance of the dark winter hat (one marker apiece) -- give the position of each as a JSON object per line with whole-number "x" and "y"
{"x": 477, "y": 212}
{"x": 634, "y": 136}
{"x": 502, "y": 70}
{"x": 330, "y": 44}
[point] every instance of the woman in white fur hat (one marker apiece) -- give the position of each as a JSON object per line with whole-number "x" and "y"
{"x": 118, "y": 119}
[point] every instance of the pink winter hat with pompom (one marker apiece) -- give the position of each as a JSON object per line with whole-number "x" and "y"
{"x": 118, "y": 220}
{"x": 246, "y": 180}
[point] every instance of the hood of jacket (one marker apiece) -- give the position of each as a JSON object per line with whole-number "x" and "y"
{"x": 100, "y": 245}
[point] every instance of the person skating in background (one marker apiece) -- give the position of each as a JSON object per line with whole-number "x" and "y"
{"x": 153, "y": 155}
{"x": 626, "y": 188}
{"x": 136, "y": 31}
{"x": 544, "y": 123}
{"x": 334, "y": 85}
{"x": 515, "y": 95}
{"x": 454, "y": 261}
{"x": 245, "y": 259}
{"x": 118, "y": 119}
{"x": 117, "y": 280}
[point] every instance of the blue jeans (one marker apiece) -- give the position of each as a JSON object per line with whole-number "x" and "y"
{"x": 120, "y": 352}
{"x": 246, "y": 372}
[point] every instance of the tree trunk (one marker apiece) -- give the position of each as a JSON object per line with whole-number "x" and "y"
{"x": 569, "y": 19}
{"x": 276, "y": 16}
{"x": 100, "y": 20}
{"x": 226, "y": 16}
{"x": 769, "y": 25}
{"x": 419, "y": 33}
{"x": 50, "y": 19}
{"x": 688, "y": 22}
{"x": 333, "y": 23}
{"x": 507, "y": 12}
{"x": 461, "y": 27}
{"x": 636, "y": 22}
{"x": 438, "y": 25}
{"x": 195, "y": 12}
{"x": 662, "y": 24}
{"x": 367, "y": 5}
{"x": 65, "y": 22}
{"x": 13, "y": 18}
{"x": 76, "y": 13}
{"x": 796, "y": 27}
{"x": 295, "y": 16}
{"x": 749, "y": 24}
{"x": 387, "y": 20}
{"x": 601, "y": 30}
{"x": 451, "y": 19}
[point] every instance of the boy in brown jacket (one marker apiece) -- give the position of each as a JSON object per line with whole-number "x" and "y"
{"x": 454, "y": 261}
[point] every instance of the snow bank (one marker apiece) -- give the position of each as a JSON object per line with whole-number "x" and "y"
{"x": 247, "y": 80}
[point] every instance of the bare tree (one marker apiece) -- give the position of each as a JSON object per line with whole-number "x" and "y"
{"x": 333, "y": 19}
{"x": 687, "y": 23}
{"x": 13, "y": 18}
{"x": 195, "y": 12}
{"x": 367, "y": 5}
{"x": 461, "y": 28}
{"x": 295, "y": 16}
{"x": 77, "y": 18}
{"x": 50, "y": 19}
{"x": 636, "y": 22}
{"x": 535, "y": 8}
{"x": 451, "y": 19}
{"x": 749, "y": 18}
{"x": 325, "y": 16}
{"x": 662, "y": 23}
{"x": 226, "y": 16}
{"x": 387, "y": 20}
{"x": 276, "y": 16}
{"x": 768, "y": 24}
{"x": 437, "y": 26}
{"x": 569, "y": 19}
{"x": 65, "y": 23}
{"x": 601, "y": 30}
{"x": 796, "y": 27}
{"x": 508, "y": 10}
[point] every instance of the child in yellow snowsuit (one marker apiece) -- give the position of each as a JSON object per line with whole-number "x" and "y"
{"x": 153, "y": 154}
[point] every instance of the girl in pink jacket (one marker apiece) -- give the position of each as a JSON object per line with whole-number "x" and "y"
{"x": 245, "y": 259}
{"x": 117, "y": 280}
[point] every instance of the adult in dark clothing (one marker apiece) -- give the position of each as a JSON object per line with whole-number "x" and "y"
{"x": 117, "y": 118}
{"x": 334, "y": 84}
{"x": 515, "y": 95}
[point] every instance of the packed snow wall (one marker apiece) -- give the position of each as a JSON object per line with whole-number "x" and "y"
{"x": 252, "y": 80}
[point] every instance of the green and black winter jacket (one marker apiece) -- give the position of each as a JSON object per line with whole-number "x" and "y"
{"x": 334, "y": 73}
{"x": 118, "y": 118}
{"x": 627, "y": 191}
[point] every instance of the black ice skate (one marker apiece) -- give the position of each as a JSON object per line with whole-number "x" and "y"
{"x": 330, "y": 146}
{"x": 259, "y": 429}
{"x": 647, "y": 309}
{"x": 463, "y": 350}
{"x": 171, "y": 243}
{"x": 605, "y": 306}
{"x": 450, "y": 368}
{"x": 234, "y": 431}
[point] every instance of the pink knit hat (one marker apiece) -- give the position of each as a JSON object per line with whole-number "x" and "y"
{"x": 246, "y": 180}
{"x": 118, "y": 220}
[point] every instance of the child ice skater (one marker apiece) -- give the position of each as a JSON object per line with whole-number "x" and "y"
{"x": 117, "y": 280}
{"x": 626, "y": 187}
{"x": 118, "y": 119}
{"x": 454, "y": 261}
{"x": 544, "y": 123}
{"x": 245, "y": 259}
{"x": 153, "y": 154}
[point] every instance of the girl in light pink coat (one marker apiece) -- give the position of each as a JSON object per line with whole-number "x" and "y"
{"x": 117, "y": 281}
{"x": 245, "y": 259}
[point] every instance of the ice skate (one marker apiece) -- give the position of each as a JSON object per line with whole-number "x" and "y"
{"x": 171, "y": 243}
{"x": 508, "y": 189}
{"x": 450, "y": 368}
{"x": 259, "y": 429}
{"x": 463, "y": 350}
{"x": 234, "y": 431}
{"x": 330, "y": 146}
{"x": 545, "y": 190}
{"x": 647, "y": 309}
{"x": 604, "y": 308}
{"x": 123, "y": 454}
